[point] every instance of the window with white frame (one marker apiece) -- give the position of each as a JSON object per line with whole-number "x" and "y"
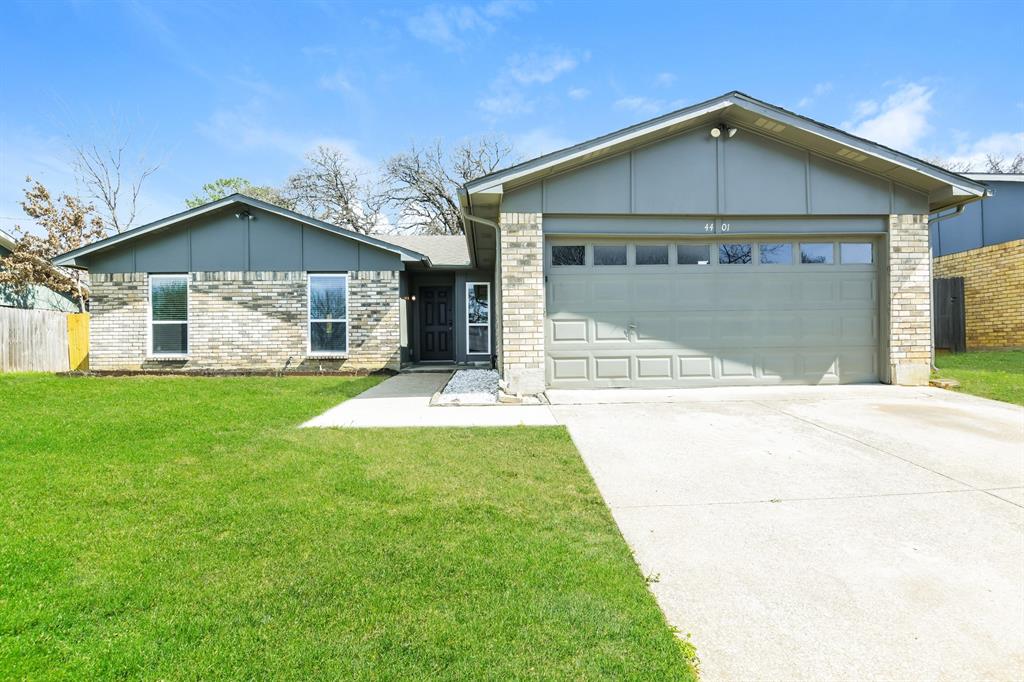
{"x": 328, "y": 314}
{"x": 168, "y": 314}
{"x": 478, "y": 318}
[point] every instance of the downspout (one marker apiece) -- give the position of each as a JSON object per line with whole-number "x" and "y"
{"x": 931, "y": 279}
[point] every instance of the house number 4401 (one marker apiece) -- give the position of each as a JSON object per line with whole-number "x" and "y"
{"x": 710, "y": 227}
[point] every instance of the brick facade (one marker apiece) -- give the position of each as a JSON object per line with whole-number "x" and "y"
{"x": 910, "y": 300}
{"x": 993, "y": 292}
{"x": 522, "y": 302}
{"x": 244, "y": 321}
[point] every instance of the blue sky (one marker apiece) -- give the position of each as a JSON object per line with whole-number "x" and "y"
{"x": 224, "y": 89}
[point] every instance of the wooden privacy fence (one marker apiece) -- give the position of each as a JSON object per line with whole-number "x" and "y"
{"x": 950, "y": 319}
{"x": 43, "y": 340}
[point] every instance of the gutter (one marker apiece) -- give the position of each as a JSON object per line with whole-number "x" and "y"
{"x": 467, "y": 217}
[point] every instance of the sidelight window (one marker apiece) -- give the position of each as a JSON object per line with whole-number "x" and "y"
{"x": 478, "y": 318}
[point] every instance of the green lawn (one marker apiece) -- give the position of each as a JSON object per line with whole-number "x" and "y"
{"x": 990, "y": 374}
{"x": 183, "y": 528}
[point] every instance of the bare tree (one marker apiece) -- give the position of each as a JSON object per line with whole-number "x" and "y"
{"x": 999, "y": 164}
{"x": 422, "y": 184}
{"x": 992, "y": 164}
{"x": 111, "y": 179}
{"x": 956, "y": 166}
{"x": 69, "y": 223}
{"x": 328, "y": 188}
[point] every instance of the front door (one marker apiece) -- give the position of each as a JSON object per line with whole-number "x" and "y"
{"x": 436, "y": 323}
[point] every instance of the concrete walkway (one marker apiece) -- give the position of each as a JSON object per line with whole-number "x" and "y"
{"x": 821, "y": 533}
{"x": 404, "y": 400}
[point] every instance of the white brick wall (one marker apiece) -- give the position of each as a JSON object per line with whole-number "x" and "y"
{"x": 244, "y": 321}
{"x": 910, "y": 300}
{"x": 522, "y": 302}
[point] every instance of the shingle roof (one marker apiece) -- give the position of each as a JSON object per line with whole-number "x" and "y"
{"x": 443, "y": 250}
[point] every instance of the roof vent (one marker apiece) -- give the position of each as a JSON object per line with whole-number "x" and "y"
{"x": 851, "y": 154}
{"x": 772, "y": 126}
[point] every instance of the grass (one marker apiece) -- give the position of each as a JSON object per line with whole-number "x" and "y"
{"x": 182, "y": 528}
{"x": 990, "y": 374}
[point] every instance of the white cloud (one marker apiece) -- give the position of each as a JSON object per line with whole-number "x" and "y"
{"x": 578, "y": 93}
{"x": 446, "y": 25}
{"x": 539, "y": 68}
{"x": 819, "y": 90}
{"x": 901, "y": 121}
{"x": 665, "y": 79}
{"x": 338, "y": 82}
{"x": 241, "y": 130}
{"x": 508, "y": 91}
{"x": 507, "y": 103}
{"x": 539, "y": 141}
{"x": 976, "y": 153}
{"x": 642, "y": 105}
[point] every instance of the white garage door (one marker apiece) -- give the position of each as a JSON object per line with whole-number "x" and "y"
{"x": 728, "y": 312}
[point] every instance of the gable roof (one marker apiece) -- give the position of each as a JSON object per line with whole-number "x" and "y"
{"x": 6, "y": 241}
{"x": 442, "y": 249}
{"x": 69, "y": 258}
{"x": 944, "y": 187}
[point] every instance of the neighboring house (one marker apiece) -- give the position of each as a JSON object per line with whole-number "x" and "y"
{"x": 34, "y": 297}
{"x": 728, "y": 243}
{"x": 985, "y": 246}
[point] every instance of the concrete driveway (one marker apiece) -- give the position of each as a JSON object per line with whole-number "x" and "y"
{"x": 841, "y": 533}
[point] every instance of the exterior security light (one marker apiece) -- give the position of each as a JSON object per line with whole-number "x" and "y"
{"x": 243, "y": 214}
{"x": 732, "y": 132}
{"x": 716, "y": 132}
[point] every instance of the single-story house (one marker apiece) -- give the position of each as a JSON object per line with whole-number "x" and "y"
{"x": 985, "y": 246}
{"x": 728, "y": 243}
{"x": 35, "y": 296}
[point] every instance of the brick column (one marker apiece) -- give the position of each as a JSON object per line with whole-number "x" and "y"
{"x": 910, "y": 301}
{"x": 522, "y": 302}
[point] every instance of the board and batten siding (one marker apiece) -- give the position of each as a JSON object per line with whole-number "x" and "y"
{"x": 220, "y": 242}
{"x": 693, "y": 174}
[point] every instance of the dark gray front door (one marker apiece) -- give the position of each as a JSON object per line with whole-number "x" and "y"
{"x": 436, "y": 323}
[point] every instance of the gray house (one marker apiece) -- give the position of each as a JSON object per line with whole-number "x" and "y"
{"x": 728, "y": 243}
{"x": 984, "y": 245}
{"x": 34, "y": 297}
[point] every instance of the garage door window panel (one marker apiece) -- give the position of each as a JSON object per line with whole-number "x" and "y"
{"x": 856, "y": 253}
{"x": 735, "y": 254}
{"x": 693, "y": 254}
{"x": 652, "y": 254}
{"x": 817, "y": 253}
{"x": 609, "y": 254}
{"x": 568, "y": 255}
{"x": 778, "y": 253}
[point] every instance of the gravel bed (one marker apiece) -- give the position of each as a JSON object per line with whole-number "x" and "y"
{"x": 472, "y": 386}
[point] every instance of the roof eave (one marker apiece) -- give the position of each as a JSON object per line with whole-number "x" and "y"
{"x": 494, "y": 183}
{"x": 69, "y": 258}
